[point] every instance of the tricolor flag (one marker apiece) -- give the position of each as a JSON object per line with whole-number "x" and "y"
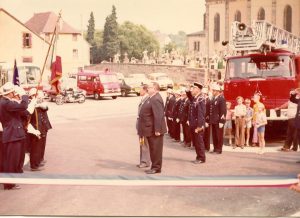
{"x": 16, "y": 80}
{"x": 56, "y": 73}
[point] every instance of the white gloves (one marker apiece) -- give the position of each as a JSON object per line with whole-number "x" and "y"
{"x": 221, "y": 125}
{"x": 188, "y": 123}
{"x": 33, "y": 131}
{"x": 169, "y": 118}
{"x": 206, "y": 125}
{"x": 20, "y": 91}
{"x": 31, "y": 105}
{"x": 177, "y": 120}
{"x": 42, "y": 105}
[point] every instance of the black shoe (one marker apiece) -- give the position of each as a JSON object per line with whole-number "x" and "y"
{"x": 242, "y": 147}
{"x": 37, "y": 169}
{"x": 198, "y": 161}
{"x": 142, "y": 165}
{"x": 11, "y": 187}
{"x": 152, "y": 171}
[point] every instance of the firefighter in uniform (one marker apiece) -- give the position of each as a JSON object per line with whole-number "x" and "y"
{"x": 13, "y": 137}
{"x": 183, "y": 117}
{"x": 207, "y": 126}
{"x": 217, "y": 117}
{"x": 170, "y": 101}
{"x": 176, "y": 120}
{"x": 197, "y": 120}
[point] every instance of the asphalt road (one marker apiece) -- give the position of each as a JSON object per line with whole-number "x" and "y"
{"x": 98, "y": 139}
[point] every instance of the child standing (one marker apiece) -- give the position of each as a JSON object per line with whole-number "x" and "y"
{"x": 261, "y": 122}
{"x": 228, "y": 123}
{"x": 248, "y": 119}
{"x": 256, "y": 99}
{"x": 240, "y": 114}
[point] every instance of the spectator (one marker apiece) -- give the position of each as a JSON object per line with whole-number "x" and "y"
{"x": 240, "y": 114}
{"x": 256, "y": 99}
{"x": 261, "y": 122}
{"x": 228, "y": 123}
{"x": 248, "y": 119}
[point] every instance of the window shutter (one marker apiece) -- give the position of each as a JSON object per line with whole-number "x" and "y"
{"x": 24, "y": 40}
{"x": 30, "y": 40}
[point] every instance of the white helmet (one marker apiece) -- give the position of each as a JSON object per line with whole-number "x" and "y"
{"x": 32, "y": 91}
{"x": 7, "y": 88}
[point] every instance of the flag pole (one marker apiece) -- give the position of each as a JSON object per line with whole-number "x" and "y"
{"x": 49, "y": 48}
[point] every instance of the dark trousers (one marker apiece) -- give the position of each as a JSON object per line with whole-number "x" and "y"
{"x": 169, "y": 124}
{"x": 35, "y": 151}
{"x": 207, "y": 138}
{"x": 156, "y": 149}
{"x": 1, "y": 153}
{"x": 217, "y": 135}
{"x": 13, "y": 158}
{"x": 198, "y": 142}
{"x": 144, "y": 151}
{"x": 186, "y": 133}
{"x": 291, "y": 138}
{"x": 176, "y": 130}
{"x": 43, "y": 141}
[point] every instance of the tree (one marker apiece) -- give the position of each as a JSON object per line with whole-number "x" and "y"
{"x": 91, "y": 29}
{"x": 111, "y": 44}
{"x": 134, "y": 39}
{"x": 170, "y": 46}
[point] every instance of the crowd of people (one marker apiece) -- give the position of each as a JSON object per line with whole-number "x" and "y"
{"x": 25, "y": 124}
{"x": 195, "y": 115}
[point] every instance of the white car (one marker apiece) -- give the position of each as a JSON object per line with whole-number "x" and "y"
{"x": 162, "y": 79}
{"x": 139, "y": 78}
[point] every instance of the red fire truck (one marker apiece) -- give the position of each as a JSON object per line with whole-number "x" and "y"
{"x": 263, "y": 59}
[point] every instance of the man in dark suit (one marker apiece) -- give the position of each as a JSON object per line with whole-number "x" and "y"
{"x": 197, "y": 120}
{"x": 217, "y": 117}
{"x": 145, "y": 160}
{"x": 183, "y": 117}
{"x": 13, "y": 131}
{"x": 170, "y": 101}
{"x": 153, "y": 126}
{"x": 207, "y": 125}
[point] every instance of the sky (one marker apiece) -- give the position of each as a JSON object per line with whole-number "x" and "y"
{"x": 168, "y": 16}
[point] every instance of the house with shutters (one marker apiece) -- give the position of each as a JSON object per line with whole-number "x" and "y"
{"x": 71, "y": 45}
{"x": 20, "y": 42}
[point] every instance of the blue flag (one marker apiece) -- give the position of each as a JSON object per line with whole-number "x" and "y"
{"x": 16, "y": 75}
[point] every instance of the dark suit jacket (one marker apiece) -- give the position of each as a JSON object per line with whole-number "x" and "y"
{"x": 297, "y": 118}
{"x": 10, "y": 117}
{"x": 175, "y": 111}
{"x": 151, "y": 117}
{"x": 218, "y": 110}
{"x": 184, "y": 110}
{"x": 41, "y": 121}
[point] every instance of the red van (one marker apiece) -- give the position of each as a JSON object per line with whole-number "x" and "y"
{"x": 99, "y": 83}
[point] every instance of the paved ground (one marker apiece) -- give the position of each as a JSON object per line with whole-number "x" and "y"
{"x": 98, "y": 139}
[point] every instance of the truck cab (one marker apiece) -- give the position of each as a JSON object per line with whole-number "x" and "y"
{"x": 99, "y": 83}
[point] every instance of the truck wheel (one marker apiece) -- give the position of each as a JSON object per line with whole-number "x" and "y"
{"x": 81, "y": 99}
{"x": 97, "y": 96}
{"x": 114, "y": 97}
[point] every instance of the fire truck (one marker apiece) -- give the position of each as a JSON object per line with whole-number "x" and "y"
{"x": 263, "y": 59}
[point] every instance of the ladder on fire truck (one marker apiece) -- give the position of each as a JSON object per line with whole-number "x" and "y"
{"x": 262, "y": 36}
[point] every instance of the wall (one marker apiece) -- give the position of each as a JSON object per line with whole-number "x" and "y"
{"x": 197, "y": 38}
{"x": 11, "y": 46}
{"x": 179, "y": 74}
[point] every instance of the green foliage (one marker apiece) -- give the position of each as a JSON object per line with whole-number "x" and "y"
{"x": 111, "y": 44}
{"x": 170, "y": 46}
{"x": 134, "y": 39}
{"x": 91, "y": 29}
{"x": 179, "y": 40}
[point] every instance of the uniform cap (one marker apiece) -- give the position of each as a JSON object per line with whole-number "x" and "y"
{"x": 169, "y": 90}
{"x": 32, "y": 91}
{"x": 205, "y": 90}
{"x": 216, "y": 87}
{"x": 7, "y": 88}
{"x": 198, "y": 85}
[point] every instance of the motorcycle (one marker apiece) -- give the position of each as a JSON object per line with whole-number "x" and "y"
{"x": 70, "y": 96}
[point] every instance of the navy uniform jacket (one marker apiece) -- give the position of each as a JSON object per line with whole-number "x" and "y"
{"x": 217, "y": 110}
{"x": 207, "y": 103}
{"x": 169, "y": 106}
{"x": 40, "y": 121}
{"x": 184, "y": 110}
{"x": 175, "y": 111}
{"x": 151, "y": 117}
{"x": 197, "y": 111}
{"x": 10, "y": 117}
{"x": 297, "y": 118}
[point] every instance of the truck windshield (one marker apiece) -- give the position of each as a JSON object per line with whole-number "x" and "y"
{"x": 259, "y": 67}
{"x": 109, "y": 78}
{"x": 27, "y": 75}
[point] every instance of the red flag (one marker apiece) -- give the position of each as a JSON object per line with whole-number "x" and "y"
{"x": 56, "y": 74}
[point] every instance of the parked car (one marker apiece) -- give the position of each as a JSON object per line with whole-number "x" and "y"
{"x": 129, "y": 86}
{"x": 99, "y": 83}
{"x": 162, "y": 79}
{"x": 120, "y": 76}
{"x": 139, "y": 78}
